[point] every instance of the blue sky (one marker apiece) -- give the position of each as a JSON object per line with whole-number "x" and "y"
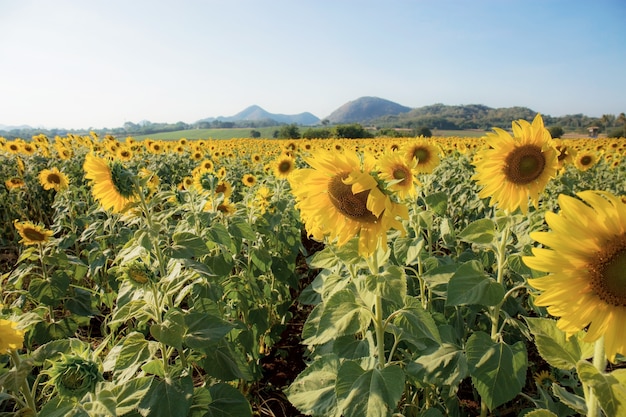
{"x": 94, "y": 64}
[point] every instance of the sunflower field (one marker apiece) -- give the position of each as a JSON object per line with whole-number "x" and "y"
{"x": 425, "y": 277}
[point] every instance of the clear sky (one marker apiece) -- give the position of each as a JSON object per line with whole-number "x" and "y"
{"x": 100, "y": 63}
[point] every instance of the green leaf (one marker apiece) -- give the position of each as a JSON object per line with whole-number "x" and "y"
{"x": 610, "y": 393}
{"x": 204, "y": 329}
{"x": 59, "y": 406}
{"x": 225, "y": 364}
{"x": 49, "y": 292}
{"x": 498, "y": 370}
{"x": 540, "y": 413}
{"x": 187, "y": 245}
{"x": 437, "y": 202}
{"x": 415, "y": 325}
{"x": 50, "y": 349}
{"x": 555, "y": 347}
{"x": 313, "y": 391}
{"x": 573, "y": 401}
{"x": 242, "y": 230}
{"x": 343, "y": 314}
{"x": 168, "y": 397}
{"x": 471, "y": 285}
{"x": 171, "y": 330}
{"x": 390, "y": 284}
{"x": 368, "y": 393}
{"x": 480, "y": 231}
{"x": 407, "y": 249}
{"x": 261, "y": 258}
{"x": 445, "y": 366}
{"x": 227, "y": 401}
{"x": 134, "y": 351}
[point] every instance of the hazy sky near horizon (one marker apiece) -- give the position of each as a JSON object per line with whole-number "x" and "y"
{"x": 93, "y": 64}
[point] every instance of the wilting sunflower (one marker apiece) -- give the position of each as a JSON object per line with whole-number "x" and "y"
{"x": 10, "y": 336}
{"x": 283, "y": 166}
{"x": 338, "y": 198}
{"x": 425, "y": 152}
{"x": 14, "y": 183}
{"x": 32, "y": 234}
{"x": 111, "y": 185}
{"x": 585, "y": 260}
{"x": 53, "y": 179}
{"x": 248, "y": 180}
{"x": 513, "y": 169}
{"x": 585, "y": 159}
{"x": 400, "y": 173}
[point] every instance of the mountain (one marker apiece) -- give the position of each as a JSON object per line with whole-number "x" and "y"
{"x": 364, "y": 109}
{"x": 255, "y": 112}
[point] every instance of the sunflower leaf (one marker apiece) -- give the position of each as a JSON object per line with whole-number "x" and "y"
{"x": 471, "y": 285}
{"x": 610, "y": 393}
{"x": 555, "y": 347}
{"x": 481, "y": 232}
{"x": 498, "y": 370}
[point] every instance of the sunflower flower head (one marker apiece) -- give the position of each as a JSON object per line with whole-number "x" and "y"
{"x": 137, "y": 274}
{"x": 53, "y": 179}
{"x": 283, "y": 166}
{"x": 584, "y": 256}
{"x": 32, "y": 234}
{"x": 10, "y": 336}
{"x": 73, "y": 375}
{"x": 425, "y": 152}
{"x": 14, "y": 183}
{"x": 339, "y": 199}
{"x": 514, "y": 169}
{"x": 399, "y": 173}
{"x": 112, "y": 185}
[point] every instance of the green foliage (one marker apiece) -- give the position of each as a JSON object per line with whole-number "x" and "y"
{"x": 351, "y": 131}
{"x": 289, "y": 132}
{"x": 556, "y": 131}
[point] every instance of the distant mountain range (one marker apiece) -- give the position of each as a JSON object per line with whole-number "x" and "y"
{"x": 366, "y": 110}
{"x": 256, "y": 113}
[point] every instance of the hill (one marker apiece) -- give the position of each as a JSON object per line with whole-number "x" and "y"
{"x": 256, "y": 113}
{"x": 364, "y": 109}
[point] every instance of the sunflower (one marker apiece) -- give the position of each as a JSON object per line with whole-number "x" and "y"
{"x": 544, "y": 379}
{"x": 32, "y": 234}
{"x": 339, "y": 199}
{"x": 565, "y": 153}
{"x": 14, "y": 183}
{"x": 585, "y": 159}
{"x": 515, "y": 168}
{"x": 283, "y": 166}
{"x": 425, "y": 152}
{"x": 207, "y": 165}
{"x": 399, "y": 173}
{"x": 124, "y": 153}
{"x": 10, "y": 337}
{"x": 248, "y": 180}
{"x": 53, "y": 179}
{"x": 224, "y": 187}
{"x": 112, "y": 185}
{"x": 204, "y": 180}
{"x": 585, "y": 260}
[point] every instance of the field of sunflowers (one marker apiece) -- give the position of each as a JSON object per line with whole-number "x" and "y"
{"x": 440, "y": 276}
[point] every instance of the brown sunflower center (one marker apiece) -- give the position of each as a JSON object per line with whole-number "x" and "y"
{"x": 401, "y": 173}
{"x": 54, "y": 179}
{"x": 284, "y": 166}
{"x": 524, "y": 164}
{"x": 421, "y": 154}
{"x": 353, "y": 206}
{"x": 608, "y": 279}
{"x": 586, "y": 160}
{"x": 34, "y": 235}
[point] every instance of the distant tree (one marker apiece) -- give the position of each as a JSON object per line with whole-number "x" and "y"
{"x": 317, "y": 133}
{"x": 290, "y": 131}
{"x": 275, "y": 134}
{"x": 325, "y": 122}
{"x": 621, "y": 119}
{"x": 255, "y": 133}
{"x": 556, "y": 131}
{"x": 424, "y": 131}
{"x": 351, "y": 131}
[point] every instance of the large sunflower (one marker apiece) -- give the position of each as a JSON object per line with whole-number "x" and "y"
{"x": 53, "y": 179}
{"x": 32, "y": 234}
{"x": 585, "y": 285}
{"x": 338, "y": 198}
{"x": 111, "y": 185}
{"x": 513, "y": 169}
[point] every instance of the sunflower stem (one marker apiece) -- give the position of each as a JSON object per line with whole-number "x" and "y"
{"x": 24, "y": 388}
{"x": 380, "y": 330}
{"x": 599, "y": 362}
